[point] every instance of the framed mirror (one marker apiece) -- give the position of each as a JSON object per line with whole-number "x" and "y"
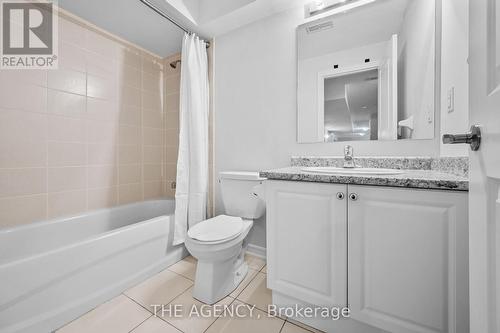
{"x": 368, "y": 73}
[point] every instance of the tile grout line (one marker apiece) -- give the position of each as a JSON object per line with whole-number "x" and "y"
{"x": 256, "y": 307}
{"x": 161, "y": 318}
{"x": 282, "y": 326}
{"x": 142, "y": 322}
{"x": 164, "y": 320}
{"x": 95, "y": 307}
{"x": 182, "y": 276}
{"x": 218, "y": 317}
{"x": 267, "y": 313}
{"x": 152, "y": 314}
{"x": 163, "y": 304}
{"x": 164, "y": 132}
{"x": 179, "y": 274}
{"x": 86, "y": 130}
{"x": 306, "y": 329}
{"x": 170, "y": 324}
{"x": 133, "y": 300}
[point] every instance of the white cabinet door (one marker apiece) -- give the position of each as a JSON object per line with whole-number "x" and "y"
{"x": 407, "y": 259}
{"x": 307, "y": 241}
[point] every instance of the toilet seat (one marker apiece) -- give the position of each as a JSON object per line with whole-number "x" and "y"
{"x": 217, "y": 230}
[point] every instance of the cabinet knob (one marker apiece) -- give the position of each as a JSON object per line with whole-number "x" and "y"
{"x": 353, "y": 196}
{"x": 340, "y": 195}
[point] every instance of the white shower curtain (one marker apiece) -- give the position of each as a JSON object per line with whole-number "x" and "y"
{"x": 192, "y": 163}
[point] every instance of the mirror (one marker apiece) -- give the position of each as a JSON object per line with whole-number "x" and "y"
{"x": 368, "y": 73}
{"x": 351, "y": 106}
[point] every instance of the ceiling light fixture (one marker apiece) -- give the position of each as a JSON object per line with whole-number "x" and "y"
{"x": 333, "y": 6}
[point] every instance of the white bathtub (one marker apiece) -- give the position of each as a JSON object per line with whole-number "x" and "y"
{"x": 54, "y": 271}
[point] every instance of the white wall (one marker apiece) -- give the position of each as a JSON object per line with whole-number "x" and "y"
{"x": 347, "y": 43}
{"x": 310, "y": 114}
{"x": 255, "y": 99}
{"x": 255, "y": 105}
{"x": 365, "y": 25}
{"x": 455, "y": 72}
{"x": 416, "y": 67}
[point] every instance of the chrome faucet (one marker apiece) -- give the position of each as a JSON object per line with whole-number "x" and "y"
{"x": 349, "y": 157}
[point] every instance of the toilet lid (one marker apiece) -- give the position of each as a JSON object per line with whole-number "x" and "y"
{"x": 219, "y": 228}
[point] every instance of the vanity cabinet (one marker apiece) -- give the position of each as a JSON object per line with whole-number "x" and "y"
{"x": 408, "y": 259}
{"x": 307, "y": 241}
{"x": 396, "y": 256}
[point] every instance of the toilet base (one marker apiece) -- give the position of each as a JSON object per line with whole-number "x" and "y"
{"x": 221, "y": 267}
{"x": 216, "y": 280}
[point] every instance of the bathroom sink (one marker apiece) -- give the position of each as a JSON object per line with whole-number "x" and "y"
{"x": 352, "y": 171}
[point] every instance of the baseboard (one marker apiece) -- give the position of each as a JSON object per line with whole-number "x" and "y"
{"x": 257, "y": 251}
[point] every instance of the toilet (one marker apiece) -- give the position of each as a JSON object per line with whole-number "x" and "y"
{"x": 219, "y": 243}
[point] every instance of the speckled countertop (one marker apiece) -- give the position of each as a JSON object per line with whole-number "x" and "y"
{"x": 423, "y": 178}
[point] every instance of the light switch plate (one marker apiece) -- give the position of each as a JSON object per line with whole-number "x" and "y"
{"x": 451, "y": 100}
{"x": 430, "y": 116}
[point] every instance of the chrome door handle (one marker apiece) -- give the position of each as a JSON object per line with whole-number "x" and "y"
{"x": 473, "y": 138}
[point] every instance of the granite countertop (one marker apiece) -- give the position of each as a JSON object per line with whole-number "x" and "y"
{"x": 411, "y": 178}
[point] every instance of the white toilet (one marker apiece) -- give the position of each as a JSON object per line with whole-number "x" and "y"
{"x": 219, "y": 243}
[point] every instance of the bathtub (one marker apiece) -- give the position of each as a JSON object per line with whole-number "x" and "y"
{"x": 52, "y": 272}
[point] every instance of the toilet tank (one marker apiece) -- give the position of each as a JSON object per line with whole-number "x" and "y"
{"x": 240, "y": 193}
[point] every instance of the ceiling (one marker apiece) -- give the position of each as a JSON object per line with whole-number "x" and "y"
{"x": 349, "y": 30}
{"x": 130, "y": 20}
{"x": 133, "y": 21}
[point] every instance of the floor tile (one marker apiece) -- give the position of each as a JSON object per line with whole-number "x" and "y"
{"x": 186, "y": 267}
{"x": 254, "y": 262}
{"x": 301, "y": 325}
{"x": 250, "y": 275}
{"x": 195, "y": 316}
{"x": 159, "y": 289}
{"x": 250, "y": 322}
{"x": 155, "y": 325}
{"x": 291, "y": 328}
{"x": 256, "y": 293}
{"x": 264, "y": 269}
{"x": 120, "y": 315}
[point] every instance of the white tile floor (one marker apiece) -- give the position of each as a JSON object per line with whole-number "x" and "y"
{"x": 132, "y": 311}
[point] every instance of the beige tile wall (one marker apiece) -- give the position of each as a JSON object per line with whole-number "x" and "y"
{"x": 92, "y": 134}
{"x": 172, "y": 87}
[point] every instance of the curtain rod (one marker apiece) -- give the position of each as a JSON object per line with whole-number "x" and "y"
{"x": 162, "y": 14}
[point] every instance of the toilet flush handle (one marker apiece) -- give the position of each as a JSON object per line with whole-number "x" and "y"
{"x": 258, "y": 191}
